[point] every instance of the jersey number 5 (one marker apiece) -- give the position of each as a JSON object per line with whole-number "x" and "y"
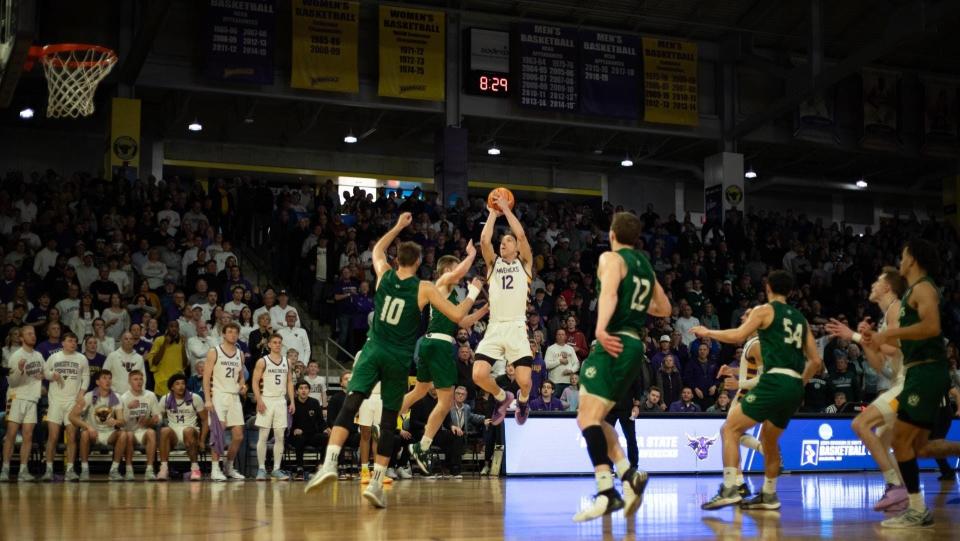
{"x": 641, "y": 294}
{"x": 392, "y": 310}
{"x": 794, "y": 334}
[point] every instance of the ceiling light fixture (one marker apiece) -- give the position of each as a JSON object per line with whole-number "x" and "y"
{"x": 750, "y": 174}
{"x": 195, "y": 125}
{"x": 350, "y": 138}
{"x": 627, "y": 162}
{"x": 862, "y": 183}
{"x": 26, "y": 113}
{"x": 493, "y": 150}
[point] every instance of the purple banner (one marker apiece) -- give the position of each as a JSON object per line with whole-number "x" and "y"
{"x": 239, "y": 40}
{"x": 609, "y": 85}
{"x": 548, "y": 67}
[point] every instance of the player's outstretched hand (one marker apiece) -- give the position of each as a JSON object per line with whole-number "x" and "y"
{"x": 835, "y": 328}
{"x": 700, "y": 331}
{"x": 502, "y": 204}
{"x": 471, "y": 249}
{"x": 865, "y": 325}
{"x": 610, "y": 343}
{"x": 477, "y": 282}
{"x": 405, "y": 219}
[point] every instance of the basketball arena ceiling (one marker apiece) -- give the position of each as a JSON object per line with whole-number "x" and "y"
{"x": 759, "y": 39}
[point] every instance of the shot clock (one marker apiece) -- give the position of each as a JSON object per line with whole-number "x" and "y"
{"x": 486, "y": 63}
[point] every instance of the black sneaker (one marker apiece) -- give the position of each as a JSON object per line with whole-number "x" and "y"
{"x": 725, "y": 497}
{"x": 743, "y": 490}
{"x": 604, "y": 503}
{"x": 634, "y": 483}
{"x": 764, "y": 501}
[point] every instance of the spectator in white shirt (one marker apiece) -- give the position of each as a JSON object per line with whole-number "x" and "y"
{"x": 269, "y": 300}
{"x": 171, "y": 216}
{"x": 225, "y": 253}
{"x": 29, "y": 237}
{"x": 278, "y": 314}
{"x": 116, "y": 317}
{"x": 45, "y": 259}
{"x": 70, "y": 306}
{"x": 685, "y": 323}
{"x": 120, "y": 277}
{"x": 87, "y": 272}
{"x": 123, "y": 361}
{"x": 561, "y": 360}
{"x": 199, "y": 345}
{"x": 27, "y": 208}
{"x": 235, "y": 307}
{"x": 191, "y": 254}
{"x": 153, "y": 269}
{"x": 295, "y": 337}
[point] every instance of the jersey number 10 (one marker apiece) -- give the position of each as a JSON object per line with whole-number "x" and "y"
{"x": 392, "y": 310}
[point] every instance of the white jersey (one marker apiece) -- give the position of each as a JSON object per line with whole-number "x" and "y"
{"x": 138, "y": 407}
{"x": 897, "y": 373}
{"x": 749, "y": 370}
{"x": 316, "y": 387}
{"x": 25, "y": 384}
{"x": 74, "y": 371}
{"x": 509, "y": 290}
{"x": 98, "y": 409}
{"x": 275, "y": 378}
{"x": 184, "y": 412}
{"x": 227, "y": 372}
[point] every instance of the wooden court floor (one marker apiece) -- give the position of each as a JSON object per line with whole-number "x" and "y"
{"x": 815, "y": 507}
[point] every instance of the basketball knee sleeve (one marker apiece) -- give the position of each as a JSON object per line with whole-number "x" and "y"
{"x": 910, "y": 471}
{"x": 525, "y": 361}
{"x": 388, "y": 424}
{"x": 349, "y": 410}
{"x": 596, "y": 445}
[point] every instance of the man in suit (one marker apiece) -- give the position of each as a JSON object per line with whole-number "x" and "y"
{"x": 462, "y": 422}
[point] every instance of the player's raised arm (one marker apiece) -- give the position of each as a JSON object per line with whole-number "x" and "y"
{"x": 472, "y": 319}
{"x": 454, "y": 276}
{"x": 759, "y": 317}
{"x": 523, "y": 245}
{"x": 380, "y": 264}
{"x": 486, "y": 239}
{"x": 429, "y": 294}
{"x": 609, "y": 272}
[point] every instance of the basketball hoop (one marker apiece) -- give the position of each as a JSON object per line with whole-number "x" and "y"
{"x": 73, "y": 71}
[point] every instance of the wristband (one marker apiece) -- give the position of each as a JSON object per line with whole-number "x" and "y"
{"x": 473, "y": 292}
{"x": 857, "y": 337}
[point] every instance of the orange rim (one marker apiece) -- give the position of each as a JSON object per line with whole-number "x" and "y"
{"x": 47, "y": 55}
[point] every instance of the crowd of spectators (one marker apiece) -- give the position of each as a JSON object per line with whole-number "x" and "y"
{"x": 147, "y": 272}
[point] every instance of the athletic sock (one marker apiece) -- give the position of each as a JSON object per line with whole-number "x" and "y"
{"x": 740, "y": 479}
{"x": 891, "y": 477}
{"x": 379, "y": 472}
{"x": 5, "y": 467}
{"x": 604, "y": 480}
{"x": 521, "y": 398}
{"x": 622, "y": 466}
{"x": 215, "y": 466}
{"x": 163, "y": 465}
{"x": 333, "y": 456}
{"x": 916, "y": 502}
{"x": 425, "y": 442}
{"x": 194, "y": 466}
{"x": 769, "y": 485}
{"x": 85, "y": 466}
{"x": 23, "y": 469}
{"x": 50, "y": 467}
{"x": 730, "y": 477}
{"x": 501, "y": 396}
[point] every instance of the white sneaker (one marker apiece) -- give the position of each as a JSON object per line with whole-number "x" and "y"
{"x": 25, "y": 477}
{"x": 149, "y": 475}
{"x": 84, "y": 475}
{"x": 374, "y": 495}
{"x": 217, "y": 475}
{"x": 392, "y": 473}
{"x": 164, "y": 474}
{"x": 405, "y": 473}
{"x": 4, "y": 476}
{"x": 47, "y": 476}
{"x": 71, "y": 476}
{"x": 115, "y": 475}
{"x": 485, "y": 471}
{"x": 235, "y": 475}
{"x": 129, "y": 475}
{"x": 323, "y": 477}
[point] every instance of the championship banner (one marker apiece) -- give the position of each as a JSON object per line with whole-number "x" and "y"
{"x": 548, "y": 67}
{"x": 940, "y": 111}
{"x": 880, "y": 101}
{"x": 123, "y": 151}
{"x": 239, "y": 40}
{"x": 324, "y": 52}
{"x": 609, "y": 85}
{"x": 670, "y": 82}
{"x": 412, "y": 53}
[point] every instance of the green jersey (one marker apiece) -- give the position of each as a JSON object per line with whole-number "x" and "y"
{"x": 782, "y": 342}
{"x": 928, "y": 349}
{"x": 633, "y": 295}
{"x": 441, "y": 324}
{"x": 396, "y": 316}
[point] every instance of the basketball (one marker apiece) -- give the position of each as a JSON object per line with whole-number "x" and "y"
{"x": 500, "y": 192}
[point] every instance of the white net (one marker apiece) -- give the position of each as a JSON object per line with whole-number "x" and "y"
{"x": 72, "y": 78}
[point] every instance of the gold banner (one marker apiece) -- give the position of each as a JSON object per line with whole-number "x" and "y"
{"x": 412, "y": 59}
{"x": 124, "y": 145}
{"x": 670, "y": 81}
{"x": 325, "y": 39}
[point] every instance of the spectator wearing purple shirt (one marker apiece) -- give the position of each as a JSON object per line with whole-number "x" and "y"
{"x": 546, "y": 402}
{"x": 94, "y": 359}
{"x": 343, "y": 294}
{"x": 701, "y": 376}
{"x": 686, "y": 403}
{"x": 656, "y": 360}
{"x": 52, "y": 344}
{"x": 362, "y": 304}
{"x": 539, "y": 367}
